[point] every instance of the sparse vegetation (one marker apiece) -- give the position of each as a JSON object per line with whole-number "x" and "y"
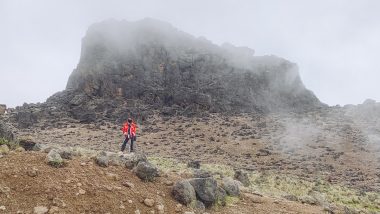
{"x": 12, "y": 145}
{"x": 274, "y": 185}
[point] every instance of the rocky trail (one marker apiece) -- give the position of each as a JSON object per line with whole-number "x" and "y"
{"x": 29, "y": 185}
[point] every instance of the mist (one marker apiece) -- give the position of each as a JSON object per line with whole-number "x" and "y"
{"x": 333, "y": 43}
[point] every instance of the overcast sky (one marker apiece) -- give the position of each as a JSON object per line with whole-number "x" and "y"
{"x": 334, "y": 42}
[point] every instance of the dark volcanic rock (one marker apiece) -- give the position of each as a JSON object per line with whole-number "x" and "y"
{"x": 152, "y": 63}
{"x": 146, "y": 171}
{"x": 184, "y": 192}
{"x": 128, "y": 69}
{"x": 28, "y": 145}
{"x": 243, "y": 177}
{"x": 206, "y": 189}
{"x": 5, "y": 131}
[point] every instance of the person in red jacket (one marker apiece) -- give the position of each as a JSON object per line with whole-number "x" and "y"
{"x": 129, "y": 131}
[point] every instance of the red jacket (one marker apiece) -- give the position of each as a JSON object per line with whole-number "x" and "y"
{"x": 126, "y": 127}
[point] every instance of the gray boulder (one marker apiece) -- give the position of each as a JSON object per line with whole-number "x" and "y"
{"x": 199, "y": 206}
{"x": 54, "y": 159}
{"x": 132, "y": 159}
{"x": 146, "y": 171}
{"x": 184, "y": 192}
{"x": 66, "y": 153}
{"x": 205, "y": 189}
{"x": 102, "y": 159}
{"x": 231, "y": 186}
{"x": 28, "y": 145}
{"x": 194, "y": 164}
{"x": 25, "y": 118}
{"x": 243, "y": 177}
{"x": 5, "y": 132}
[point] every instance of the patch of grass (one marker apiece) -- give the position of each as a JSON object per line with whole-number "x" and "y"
{"x": 57, "y": 164}
{"x": 11, "y": 145}
{"x": 281, "y": 185}
{"x": 224, "y": 170}
{"x": 277, "y": 185}
{"x": 230, "y": 201}
{"x": 168, "y": 164}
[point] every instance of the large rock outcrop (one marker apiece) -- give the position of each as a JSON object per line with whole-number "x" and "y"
{"x": 151, "y": 62}
{"x": 132, "y": 68}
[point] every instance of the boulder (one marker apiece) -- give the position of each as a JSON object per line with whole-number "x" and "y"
{"x": 5, "y": 132}
{"x": 205, "y": 189}
{"x": 3, "y": 109}
{"x": 66, "y": 153}
{"x": 25, "y": 118}
{"x": 27, "y": 144}
{"x": 146, "y": 171}
{"x": 243, "y": 177}
{"x": 54, "y": 159}
{"x": 102, "y": 159}
{"x": 184, "y": 192}
{"x": 132, "y": 159}
{"x": 40, "y": 210}
{"x": 231, "y": 186}
{"x": 194, "y": 164}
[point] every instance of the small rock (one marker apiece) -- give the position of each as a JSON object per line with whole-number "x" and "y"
{"x": 149, "y": 202}
{"x": 3, "y": 208}
{"x": 231, "y": 186}
{"x": 199, "y": 206}
{"x": 178, "y": 208}
{"x": 40, "y": 210}
{"x": 59, "y": 203}
{"x": 122, "y": 206}
{"x": 82, "y": 191}
{"x": 128, "y": 184}
{"x": 137, "y": 211}
{"x": 130, "y": 201}
{"x": 20, "y": 149}
{"x": 188, "y": 212}
{"x": 112, "y": 176}
{"x": 168, "y": 183}
{"x": 160, "y": 208}
{"x": 32, "y": 172}
{"x": 53, "y": 209}
{"x": 54, "y": 159}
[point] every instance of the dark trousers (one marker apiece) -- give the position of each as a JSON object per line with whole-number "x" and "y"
{"x": 125, "y": 144}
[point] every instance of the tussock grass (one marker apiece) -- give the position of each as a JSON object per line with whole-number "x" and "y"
{"x": 279, "y": 185}
{"x": 11, "y": 144}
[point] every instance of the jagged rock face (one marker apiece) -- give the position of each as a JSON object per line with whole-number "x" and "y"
{"x": 152, "y": 64}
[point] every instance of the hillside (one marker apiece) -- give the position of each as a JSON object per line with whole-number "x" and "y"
{"x": 194, "y": 102}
